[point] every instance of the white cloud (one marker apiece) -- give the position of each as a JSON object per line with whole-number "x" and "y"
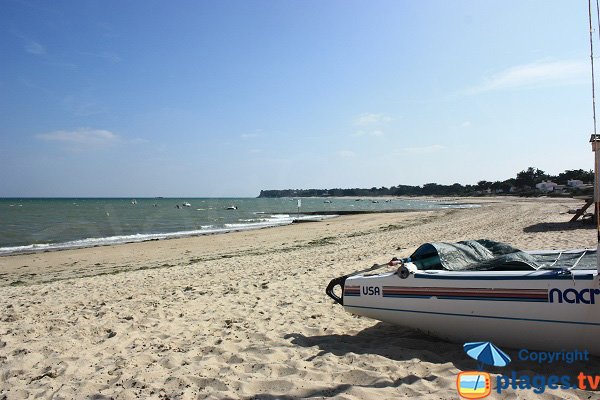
{"x": 31, "y": 46}
{"x": 35, "y": 48}
{"x": 81, "y": 137}
{"x": 370, "y": 119}
{"x": 251, "y": 135}
{"x": 374, "y": 132}
{"x": 371, "y": 124}
{"x": 424, "y": 149}
{"x": 551, "y": 73}
{"x": 346, "y": 153}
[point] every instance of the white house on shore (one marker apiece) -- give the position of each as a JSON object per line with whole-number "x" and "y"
{"x": 575, "y": 183}
{"x": 546, "y": 186}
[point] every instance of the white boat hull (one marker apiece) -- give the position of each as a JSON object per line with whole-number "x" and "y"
{"x": 543, "y": 310}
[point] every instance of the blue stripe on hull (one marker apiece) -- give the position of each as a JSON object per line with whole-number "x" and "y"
{"x": 587, "y": 277}
{"x": 403, "y": 296}
{"x": 494, "y": 299}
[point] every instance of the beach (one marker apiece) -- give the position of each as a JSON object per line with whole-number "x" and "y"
{"x": 244, "y": 314}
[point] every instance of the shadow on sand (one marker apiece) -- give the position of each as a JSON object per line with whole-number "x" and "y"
{"x": 558, "y": 226}
{"x": 401, "y": 344}
{"x": 386, "y": 340}
{"x": 338, "y": 390}
{"x": 383, "y": 339}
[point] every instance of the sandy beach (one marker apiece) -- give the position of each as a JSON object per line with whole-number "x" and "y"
{"x": 244, "y": 315}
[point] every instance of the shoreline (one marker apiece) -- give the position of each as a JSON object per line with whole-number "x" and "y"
{"x": 451, "y": 202}
{"x": 244, "y": 315}
{"x": 152, "y": 236}
{"x": 65, "y": 246}
{"x": 107, "y": 252}
{"x": 230, "y": 240}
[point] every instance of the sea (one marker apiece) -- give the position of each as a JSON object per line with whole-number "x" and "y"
{"x": 43, "y": 224}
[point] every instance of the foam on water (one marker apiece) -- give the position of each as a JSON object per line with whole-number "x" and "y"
{"x": 248, "y": 224}
{"x": 36, "y": 224}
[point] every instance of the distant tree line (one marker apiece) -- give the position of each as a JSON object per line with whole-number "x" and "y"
{"x": 523, "y": 184}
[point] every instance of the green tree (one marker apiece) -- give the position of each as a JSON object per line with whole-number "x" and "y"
{"x": 483, "y": 185}
{"x": 530, "y": 177}
{"x": 578, "y": 174}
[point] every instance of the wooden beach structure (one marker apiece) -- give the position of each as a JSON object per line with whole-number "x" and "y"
{"x": 589, "y": 200}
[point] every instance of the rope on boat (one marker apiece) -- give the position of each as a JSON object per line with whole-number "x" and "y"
{"x": 577, "y": 262}
{"x": 555, "y": 261}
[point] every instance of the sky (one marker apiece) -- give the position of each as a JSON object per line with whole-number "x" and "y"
{"x": 224, "y": 98}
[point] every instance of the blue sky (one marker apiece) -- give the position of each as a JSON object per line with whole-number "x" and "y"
{"x": 225, "y": 98}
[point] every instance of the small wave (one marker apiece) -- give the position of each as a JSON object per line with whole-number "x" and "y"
{"x": 265, "y": 222}
{"x": 24, "y": 249}
{"x": 280, "y": 216}
{"x": 142, "y": 237}
{"x": 91, "y": 242}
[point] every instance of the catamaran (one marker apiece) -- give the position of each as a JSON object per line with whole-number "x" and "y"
{"x": 488, "y": 291}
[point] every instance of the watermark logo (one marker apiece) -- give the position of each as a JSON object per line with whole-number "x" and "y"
{"x": 478, "y": 384}
{"x": 473, "y": 384}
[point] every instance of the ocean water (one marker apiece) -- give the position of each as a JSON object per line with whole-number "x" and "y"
{"x": 38, "y": 224}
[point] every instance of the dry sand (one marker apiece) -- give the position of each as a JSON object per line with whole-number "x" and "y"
{"x": 244, "y": 315}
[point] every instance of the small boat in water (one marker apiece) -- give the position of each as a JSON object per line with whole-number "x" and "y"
{"x": 186, "y": 204}
{"x": 484, "y": 291}
{"x": 232, "y": 208}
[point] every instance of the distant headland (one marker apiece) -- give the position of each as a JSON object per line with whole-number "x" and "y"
{"x": 529, "y": 182}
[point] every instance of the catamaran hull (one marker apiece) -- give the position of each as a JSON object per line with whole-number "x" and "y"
{"x": 532, "y": 310}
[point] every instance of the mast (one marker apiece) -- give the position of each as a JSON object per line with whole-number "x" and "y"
{"x": 595, "y": 141}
